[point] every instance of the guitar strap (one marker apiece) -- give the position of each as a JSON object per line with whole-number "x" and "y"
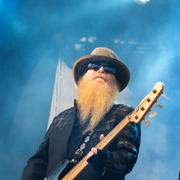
{"x": 79, "y": 152}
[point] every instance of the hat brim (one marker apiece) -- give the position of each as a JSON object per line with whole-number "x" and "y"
{"x": 122, "y": 76}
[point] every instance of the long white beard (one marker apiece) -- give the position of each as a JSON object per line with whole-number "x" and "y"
{"x": 94, "y": 100}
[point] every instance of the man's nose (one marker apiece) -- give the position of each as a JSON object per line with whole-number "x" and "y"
{"x": 101, "y": 69}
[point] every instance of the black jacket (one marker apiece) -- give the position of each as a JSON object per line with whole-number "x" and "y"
{"x": 54, "y": 149}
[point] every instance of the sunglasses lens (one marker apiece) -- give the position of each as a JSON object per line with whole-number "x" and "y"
{"x": 109, "y": 70}
{"x": 93, "y": 66}
{"x": 106, "y": 67}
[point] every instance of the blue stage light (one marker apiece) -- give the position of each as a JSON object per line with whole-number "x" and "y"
{"x": 142, "y": 2}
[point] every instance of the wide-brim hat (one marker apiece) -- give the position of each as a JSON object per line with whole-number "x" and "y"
{"x": 101, "y": 54}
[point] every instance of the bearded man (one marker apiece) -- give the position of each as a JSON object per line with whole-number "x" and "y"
{"x": 75, "y": 132}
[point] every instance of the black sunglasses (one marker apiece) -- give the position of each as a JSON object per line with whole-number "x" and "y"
{"x": 109, "y": 69}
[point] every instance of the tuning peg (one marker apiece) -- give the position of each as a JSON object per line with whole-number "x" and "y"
{"x": 152, "y": 114}
{"x": 147, "y": 122}
{"x": 159, "y": 105}
{"x": 165, "y": 96}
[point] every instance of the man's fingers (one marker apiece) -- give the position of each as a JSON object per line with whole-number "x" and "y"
{"x": 101, "y": 137}
{"x": 92, "y": 152}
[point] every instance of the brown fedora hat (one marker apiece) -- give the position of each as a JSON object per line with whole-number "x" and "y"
{"x": 102, "y": 54}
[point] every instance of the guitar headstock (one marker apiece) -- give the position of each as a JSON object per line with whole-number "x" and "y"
{"x": 145, "y": 105}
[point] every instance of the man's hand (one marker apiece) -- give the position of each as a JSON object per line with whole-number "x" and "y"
{"x": 98, "y": 158}
{"x": 94, "y": 151}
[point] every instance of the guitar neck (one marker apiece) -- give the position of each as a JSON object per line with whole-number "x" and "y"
{"x": 101, "y": 145}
